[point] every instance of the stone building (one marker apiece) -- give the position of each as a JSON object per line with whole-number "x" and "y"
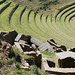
{"x": 66, "y": 59}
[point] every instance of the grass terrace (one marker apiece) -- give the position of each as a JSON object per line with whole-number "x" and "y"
{"x": 61, "y": 27}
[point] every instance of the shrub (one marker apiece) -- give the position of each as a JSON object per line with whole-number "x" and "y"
{"x": 37, "y": 71}
{"x": 9, "y": 61}
{"x": 1, "y": 62}
{"x": 34, "y": 69}
{"x": 17, "y": 65}
{"x": 22, "y": 72}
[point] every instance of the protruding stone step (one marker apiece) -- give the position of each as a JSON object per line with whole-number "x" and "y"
{"x": 36, "y": 41}
{"x": 22, "y": 37}
{"x": 18, "y": 46}
{"x": 46, "y": 46}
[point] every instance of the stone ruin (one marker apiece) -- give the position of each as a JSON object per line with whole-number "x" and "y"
{"x": 29, "y": 45}
{"x": 66, "y": 59}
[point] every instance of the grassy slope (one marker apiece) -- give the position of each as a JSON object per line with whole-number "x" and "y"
{"x": 37, "y": 26}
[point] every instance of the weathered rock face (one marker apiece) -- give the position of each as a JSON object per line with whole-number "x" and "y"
{"x": 9, "y": 37}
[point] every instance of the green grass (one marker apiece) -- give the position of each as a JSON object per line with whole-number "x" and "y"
{"x": 50, "y": 54}
{"x": 62, "y": 32}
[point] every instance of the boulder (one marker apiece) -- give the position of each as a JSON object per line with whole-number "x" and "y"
{"x": 9, "y": 37}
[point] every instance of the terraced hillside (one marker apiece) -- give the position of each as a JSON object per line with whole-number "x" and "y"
{"x": 41, "y": 26}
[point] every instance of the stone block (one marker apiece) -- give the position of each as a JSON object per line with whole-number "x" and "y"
{"x": 23, "y": 37}
{"x": 31, "y": 53}
{"x": 38, "y": 59}
{"x": 64, "y": 57}
{"x": 18, "y": 46}
{"x": 10, "y": 37}
{"x": 18, "y": 37}
{"x": 36, "y": 42}
{"x": 52, "y": 43}
{"x": 46, "y": 46}
{"x": 22, "y": 42}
